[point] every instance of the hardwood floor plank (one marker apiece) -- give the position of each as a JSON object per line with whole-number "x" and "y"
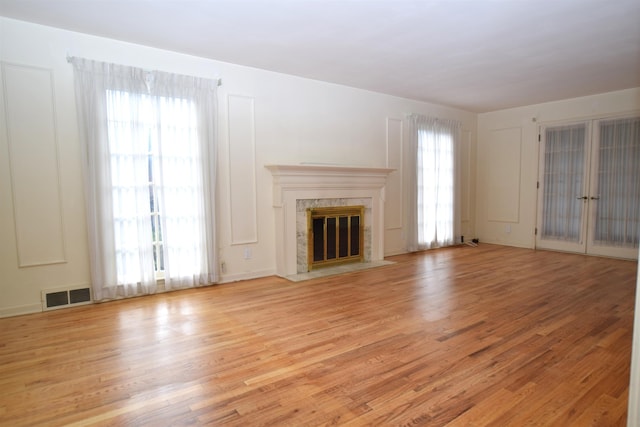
{"x": 486, "y": 336}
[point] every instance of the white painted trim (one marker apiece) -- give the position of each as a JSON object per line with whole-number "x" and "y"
{"x": 516, "y": 199}
{"x": 61, "y": 257}
{"x": 246, "y": 148}
{"x": 467, "y": 160}
{"x": 20, "y": 310}
{"x": 633, "y": 412}
{"x": 229, "y": 278}
{"x": 396, "y": 164}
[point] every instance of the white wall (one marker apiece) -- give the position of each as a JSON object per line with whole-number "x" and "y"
{"x": 507, "y": 161}
{"x": 265, "y": 118}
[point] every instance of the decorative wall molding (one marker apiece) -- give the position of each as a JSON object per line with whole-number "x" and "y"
{"x": 395, "y": 203}
{"x": 242, "y": 170}
{"x": 34, "y": 170}
{"x": 308, "y": 181}
{"x": 505, "y": 149}
{"x": 467, "y": 165}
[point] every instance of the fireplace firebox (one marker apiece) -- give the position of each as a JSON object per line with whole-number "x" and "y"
{"x": 335, "y": 235}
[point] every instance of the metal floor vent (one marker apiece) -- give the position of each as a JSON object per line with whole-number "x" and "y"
{"x": 60, "y": 298}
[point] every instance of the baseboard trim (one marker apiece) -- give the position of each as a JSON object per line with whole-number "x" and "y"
{"x": 228, "y": 278}
{"x": 37, "y": 308}
{"x": 504, "y": 243}
{"x": 394, "y": 252}
{"x": 20, "y": 310}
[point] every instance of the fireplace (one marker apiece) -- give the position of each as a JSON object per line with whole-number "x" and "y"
{"x": 302, "y": 225}
{"x": 297, "y": 188}
{"x": 335, "y": 235}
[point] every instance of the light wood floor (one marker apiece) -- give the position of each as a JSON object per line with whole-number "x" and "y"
{"x": 487, "y": 336}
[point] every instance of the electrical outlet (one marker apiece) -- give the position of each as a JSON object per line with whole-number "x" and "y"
{"x": 223, "y": 266}
{"x": 507, "y": 228}
{"x": 247, "y": 253}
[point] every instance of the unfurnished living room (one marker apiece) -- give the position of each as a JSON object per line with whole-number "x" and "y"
{"x": 307, "y": 212}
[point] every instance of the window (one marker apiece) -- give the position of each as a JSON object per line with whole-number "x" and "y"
{"x": 434, "y": 208}
{"x": 435, "y": 188}
{"x": 154, "y": 172}
{"x": 137, "y": 163}
{"x": 149, "y": 147}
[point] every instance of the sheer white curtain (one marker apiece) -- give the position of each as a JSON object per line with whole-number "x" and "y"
{"x": 433, "y": 183}
{"x": 617, "y": 221}
{"x": 564, "y": 173}
{"x": 149, "y": 156}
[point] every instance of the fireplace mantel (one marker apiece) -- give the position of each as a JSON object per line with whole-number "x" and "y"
{"x": 312, "y": 181}
{"x": 325, "y": 169}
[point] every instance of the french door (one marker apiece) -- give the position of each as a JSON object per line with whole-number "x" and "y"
{"x": 589, "y": 187}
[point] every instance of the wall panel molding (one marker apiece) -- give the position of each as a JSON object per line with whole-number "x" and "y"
{"x": 394, "y": 193}
{"x": 466, "y": 182}
{"x": 34, "y": 170}
{"x": 504, "y": 166}
{"x": 242, "y": 170}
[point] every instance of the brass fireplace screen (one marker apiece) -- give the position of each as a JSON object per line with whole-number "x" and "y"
{"x": 335, "y": 235}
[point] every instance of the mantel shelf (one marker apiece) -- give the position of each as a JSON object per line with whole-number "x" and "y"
{"x": 320, "y": 169}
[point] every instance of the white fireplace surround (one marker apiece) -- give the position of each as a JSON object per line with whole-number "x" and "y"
{"x": 304, "y": 182}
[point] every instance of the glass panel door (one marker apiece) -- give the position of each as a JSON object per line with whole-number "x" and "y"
{"x": 563, "y": 188}
{"x": 589, "y": 191}
{"x": 614, "y": 199}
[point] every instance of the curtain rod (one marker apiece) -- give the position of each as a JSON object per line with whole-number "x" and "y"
{"x": 217, "y": 79}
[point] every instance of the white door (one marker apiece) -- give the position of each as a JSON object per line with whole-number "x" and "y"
{"x": 562, "y": 186}
{"x": 589, "y": 188}
{"x": 614, "y": 196}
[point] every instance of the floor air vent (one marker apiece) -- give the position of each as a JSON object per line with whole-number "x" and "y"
{"x": 60, "y": 298}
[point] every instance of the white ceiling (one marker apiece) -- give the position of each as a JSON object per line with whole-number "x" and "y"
{"x": 478, "y": 55}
